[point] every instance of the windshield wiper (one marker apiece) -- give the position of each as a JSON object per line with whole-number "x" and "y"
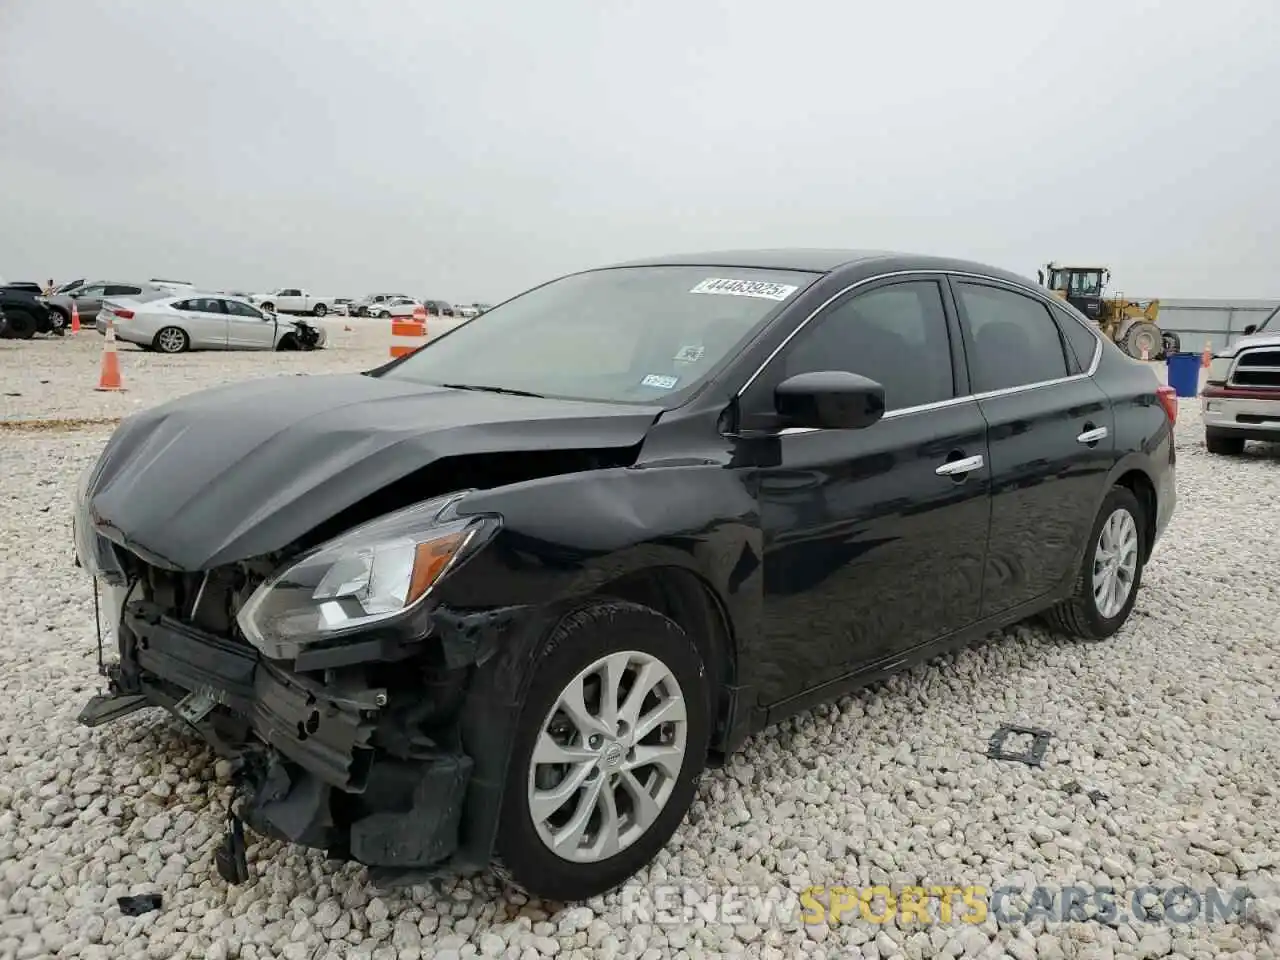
{"x": 484, "y": 389}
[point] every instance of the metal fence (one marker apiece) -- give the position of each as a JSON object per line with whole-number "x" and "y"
{"x": 1219, "y": 322}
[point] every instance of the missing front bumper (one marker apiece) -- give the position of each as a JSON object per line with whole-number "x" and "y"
{"x": 309, "y": 765}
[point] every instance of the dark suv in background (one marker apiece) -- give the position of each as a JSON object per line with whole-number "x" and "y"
{"x": 26, "y": 314}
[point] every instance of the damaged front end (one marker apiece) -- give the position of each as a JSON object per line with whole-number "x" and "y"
{"x": 329, "y": 680}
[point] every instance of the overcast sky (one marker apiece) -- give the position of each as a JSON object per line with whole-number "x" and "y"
{"x": 468, "y": 150}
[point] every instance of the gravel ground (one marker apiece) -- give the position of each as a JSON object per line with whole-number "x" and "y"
{"x": 1172, "y": 721}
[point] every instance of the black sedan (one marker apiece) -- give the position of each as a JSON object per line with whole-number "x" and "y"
{"x": 500, "y": 601}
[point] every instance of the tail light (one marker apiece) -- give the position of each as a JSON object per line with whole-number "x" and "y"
{"x": 123, "y": 314}
{"x": 1169, "y": 400}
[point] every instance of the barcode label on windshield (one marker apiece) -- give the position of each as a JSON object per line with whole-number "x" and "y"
{"x": 759, "y": 289}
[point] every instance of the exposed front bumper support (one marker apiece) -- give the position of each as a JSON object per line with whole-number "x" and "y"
{"x": 306, "y": 753}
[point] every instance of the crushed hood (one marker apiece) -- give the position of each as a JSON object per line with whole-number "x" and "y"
{"x": 245, "y": 469}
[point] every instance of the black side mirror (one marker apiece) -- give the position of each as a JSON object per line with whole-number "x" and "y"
{"x": 829, "y": 399}
{"x": 1250, "y": 328}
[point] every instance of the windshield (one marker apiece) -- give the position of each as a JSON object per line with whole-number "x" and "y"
{"x": 625, "y": 335}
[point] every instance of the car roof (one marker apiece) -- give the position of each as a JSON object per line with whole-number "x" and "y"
{"x": 823, "y": 260}
{"x": 811, "y": 259}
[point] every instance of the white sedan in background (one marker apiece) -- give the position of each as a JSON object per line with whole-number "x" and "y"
{"x": 395, "y": 307}
{"x": 181, "y": 323}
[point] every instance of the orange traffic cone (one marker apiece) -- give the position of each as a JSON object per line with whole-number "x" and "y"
{"x": 1207, "y": 357}
{"x": 75, "y": 318}
{"x": 408, "y": 335}
{"x": 109, "y": 378}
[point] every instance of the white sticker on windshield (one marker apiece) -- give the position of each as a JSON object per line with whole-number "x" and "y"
{"x": 657, "y": 380}
{"x": 690, "y": 354}
{"x": 759, "y": 289}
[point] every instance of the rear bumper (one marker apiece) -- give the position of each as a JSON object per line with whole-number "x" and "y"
{"x": 310, "y": 755}
{"x": 1249, "y": 414}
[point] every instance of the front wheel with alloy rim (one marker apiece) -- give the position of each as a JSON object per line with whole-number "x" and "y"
{"x": 171, "y": 340}
{"x": 319, "y": 310}
{"x": 610, "y": 742}
{"x": 1111, "y": 573}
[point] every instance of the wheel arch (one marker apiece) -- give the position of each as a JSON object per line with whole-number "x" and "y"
{"x": 1140, "y": 484}
{"x": 689, "y": 600}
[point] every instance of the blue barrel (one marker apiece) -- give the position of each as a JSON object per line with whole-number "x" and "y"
{"x": 1184, "y": 373}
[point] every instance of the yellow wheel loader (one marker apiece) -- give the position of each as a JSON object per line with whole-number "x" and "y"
{"x": 1130, "y": 324}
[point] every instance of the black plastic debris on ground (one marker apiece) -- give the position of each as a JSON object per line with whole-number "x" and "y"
{"x": 1094, "y": 795}
{"x": 1034, "y": 755}
{"x": 137, "y": 906}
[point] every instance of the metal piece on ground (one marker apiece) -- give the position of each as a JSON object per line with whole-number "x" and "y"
{"x": 1034, "y": 755}
{"x": 142, "y": 903}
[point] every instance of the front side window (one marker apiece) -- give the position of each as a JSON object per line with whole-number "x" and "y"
{"x": 625, "y": 334}
{"x": 1015, "y": 340}
{"x": 895, "y": 335}
{"x": 290, "y": 293}
{"x": 237, "y": 309}
{"x": 97, "y": 290}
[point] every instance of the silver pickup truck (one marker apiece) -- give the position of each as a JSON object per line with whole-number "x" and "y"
{"x": 1241, "y": 397}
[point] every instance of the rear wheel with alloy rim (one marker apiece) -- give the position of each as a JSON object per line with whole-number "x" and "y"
{"x": 171, "y": 340}
{"x": 1107, "y": 584}
{"x": 611, "y": 740}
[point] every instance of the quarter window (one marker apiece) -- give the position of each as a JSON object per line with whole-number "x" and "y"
{"x": 1015, "y": 339}
{"x": 895, "y": 335}
{"x": 1083, "y": 344}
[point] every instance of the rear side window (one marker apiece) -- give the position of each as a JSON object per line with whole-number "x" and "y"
{"x": 1081, "y": 342}
{"x": 1015, "y": 341}
{"x": 121, "y": 290}
{"x": 896, "y": 335}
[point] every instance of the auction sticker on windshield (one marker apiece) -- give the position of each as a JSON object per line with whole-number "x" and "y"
{"x": 658, "y": 380}
{"x": 759, "y": 289}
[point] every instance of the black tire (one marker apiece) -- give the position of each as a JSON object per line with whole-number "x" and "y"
{"x": 269, "y": 307}
{"x": 1172, "y": 343}
{"x": 1079, "y": 616}
{"x": 287, "y": 342}
{"x": 578, "y": 641}
{"x": 1223, "y": 443}
{"x": 319, "y": 310}
{"x": 181, "y": 345}
{"x": 21, "y": 325}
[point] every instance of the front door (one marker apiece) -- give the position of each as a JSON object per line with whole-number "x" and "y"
{"x": 874, "y": 539}
{"x": 248, "y": 328}
{"x": 1052, "y": 439}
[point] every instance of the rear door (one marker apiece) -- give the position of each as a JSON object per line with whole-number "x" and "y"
{"x": 248, "y": 328}
{"x": 205, "y": 322}
{"x": 1051, "y": 437}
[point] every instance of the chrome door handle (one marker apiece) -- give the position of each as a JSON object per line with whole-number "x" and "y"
{"x": 1092, "y": 436}
{"x": 953, "y": 467}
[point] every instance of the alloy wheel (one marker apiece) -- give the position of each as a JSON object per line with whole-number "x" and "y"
{"x": 171, "y": 340}
{"x": 607, "y": 756}
{"x": 1115, "y": 563}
